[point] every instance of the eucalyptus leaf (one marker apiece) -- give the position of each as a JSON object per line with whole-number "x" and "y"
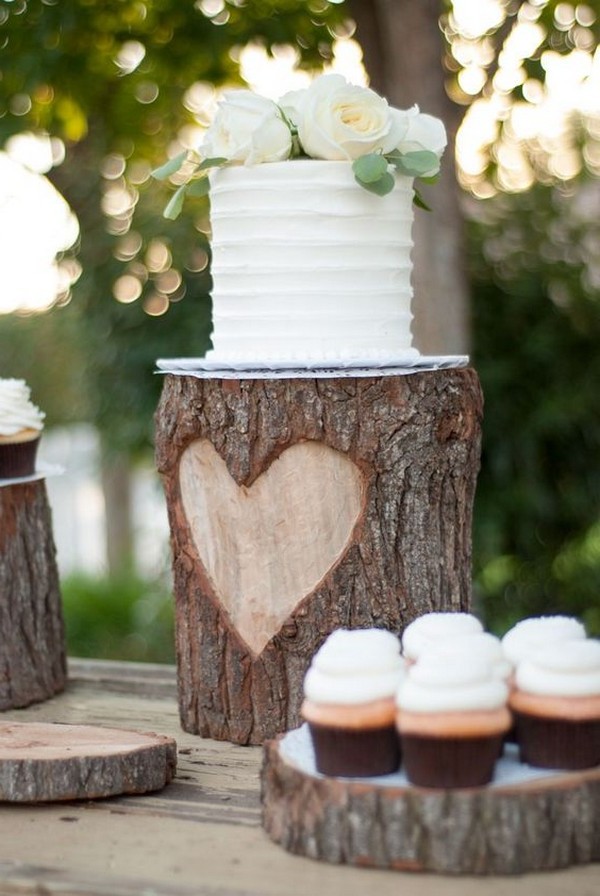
{"x": 175, "y": 204}
{"x": 199, "y": 187}
{"x": 381, "y": 187}
{"x": 370, "y": 168}
{"x": 414, "y": 164}
{"x": 420, "y": 202}
{"x": 217, "y": 162}
{"x": 170, "y": 167}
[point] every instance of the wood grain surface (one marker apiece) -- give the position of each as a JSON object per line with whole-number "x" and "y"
{"x": 199, "y": 836}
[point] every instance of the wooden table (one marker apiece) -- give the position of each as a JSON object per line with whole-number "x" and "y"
{"x": 201, "y": 835}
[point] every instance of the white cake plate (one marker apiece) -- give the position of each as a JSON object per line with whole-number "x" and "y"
{"x": 214, "y": 367}
{"x": 42, "y": 471}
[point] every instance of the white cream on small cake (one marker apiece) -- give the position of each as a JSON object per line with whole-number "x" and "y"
{"x": 307, "y": 265}
{"x": 528, "y": 635}
{"x": 20, "y": 419}
{"x": 433, "y": 629}
{"x": 353, "y": 679}
{"x": 482, "y": 645}
{"x": 459, "y": 696}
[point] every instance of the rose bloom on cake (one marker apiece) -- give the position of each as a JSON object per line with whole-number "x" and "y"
{"x": 331, "y": 120}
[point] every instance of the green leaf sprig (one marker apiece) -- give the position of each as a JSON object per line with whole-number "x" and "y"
{"x": 372, "y": 171}
{"x": 197, "y": 185}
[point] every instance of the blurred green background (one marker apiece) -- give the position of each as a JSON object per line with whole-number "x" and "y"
{"x": 116, "y": 87}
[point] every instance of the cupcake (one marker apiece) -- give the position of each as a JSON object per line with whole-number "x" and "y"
{"x": 435, "y": 629}
{"x": 452, "y": 718}
{"x": 21, "y": 424}
{"x": 349, "y": 703}
{"x": 556, "y": 705}
{"x": 482, "y": 645}
{"x": 528, "y": 635}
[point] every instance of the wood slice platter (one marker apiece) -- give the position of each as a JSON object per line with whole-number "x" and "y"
{"x": 42, "y": 762}
{"x": 527, "y": 820}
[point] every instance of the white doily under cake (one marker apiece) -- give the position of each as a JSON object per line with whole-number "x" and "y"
{"x": 223, "y": 368}
{"x": 296, "y": 747}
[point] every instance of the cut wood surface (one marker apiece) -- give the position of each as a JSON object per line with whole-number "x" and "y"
{"x": 41, "y": 762}
{"x": 32, "y": 643}
{"x": 537, "y": 825}
{"x": 201, "y": 835}
{"x": 301, "y": 506}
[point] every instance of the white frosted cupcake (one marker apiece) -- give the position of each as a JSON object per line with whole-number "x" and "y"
{"x": 21, "y": 424}
{"x": 528, "y": 635}
{"x": 556, "y": 704}
{"x": 479, "y": 645}
{"x": 436, "y": 629}
{"x": 452, "y": 718}
{"x": 349, "y": 703}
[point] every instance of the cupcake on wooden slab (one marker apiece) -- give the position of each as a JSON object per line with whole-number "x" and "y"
{"x": 452, "y": 718}
{"x": 21, "y": 424}
{"x": 556, "y": 704}
{"x": 349, "y": 703}
{"x": 436, "y": 629}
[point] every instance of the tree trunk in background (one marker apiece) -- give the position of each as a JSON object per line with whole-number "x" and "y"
{"x": 403, "y": 49}
{"x": 116, "y": 487}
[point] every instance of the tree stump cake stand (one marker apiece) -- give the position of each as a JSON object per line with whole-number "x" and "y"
{"x": 32, "y": 644}
{"x": 297, "y": 506}
{"x": 536, "y": 825}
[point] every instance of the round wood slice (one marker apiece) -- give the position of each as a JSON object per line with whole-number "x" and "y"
{"x": 536, "y": 825}
{"x": 42, "y": 762}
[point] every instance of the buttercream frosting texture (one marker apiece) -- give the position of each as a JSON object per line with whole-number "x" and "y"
{"x": 355, "y": 666}
{"x": 306, "y": 264}
{"x": 572, "y": 671}
{"x": 528, "y": 635}
{"x": 434, "y": 629}
{"x": 17, "y": 411}
{"x": 454, "y": 684}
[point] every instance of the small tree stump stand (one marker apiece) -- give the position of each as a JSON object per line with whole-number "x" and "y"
{"x": 536, "y": 825}
{"x": 298, "y": 506}
{"x": 32, "y": 644}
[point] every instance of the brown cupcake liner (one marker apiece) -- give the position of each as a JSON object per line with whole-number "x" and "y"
{"x": 351, "y": 753}
{"x": 448, "y": 762}
{"x": 18, "y": 458}
{"x": 558, "y": 743}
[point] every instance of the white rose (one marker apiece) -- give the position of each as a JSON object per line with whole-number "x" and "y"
{"x": 423, "y": 132}
{"x": 337, "y": 120}
{"x": 249, "y": 129}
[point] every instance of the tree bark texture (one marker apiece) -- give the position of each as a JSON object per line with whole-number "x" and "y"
{"x": 375, "y": 531}
{"x": 32, "y": 644}
{"x": 540, "y": 825}
{"x": 41, "y": 762}
{"x": 403, "y": 49}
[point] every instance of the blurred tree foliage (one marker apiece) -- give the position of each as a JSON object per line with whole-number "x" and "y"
{"x": 535, "y": 268}
{"x": 114, "y": 81}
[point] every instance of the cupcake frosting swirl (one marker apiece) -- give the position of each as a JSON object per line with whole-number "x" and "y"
{"x": 482, "y": 645}
{"x": 17, "y": 412}
{"x": 355, "y": 666}
{"x": 572, "y": 671}
{"x": 451, "y": 684}
{"x": 436, "y": 628}
{"x": 529, "y": 635}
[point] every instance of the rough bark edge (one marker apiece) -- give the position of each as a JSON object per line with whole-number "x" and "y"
{"x": 539, "y": 826}
{"x": 141, "y": 769}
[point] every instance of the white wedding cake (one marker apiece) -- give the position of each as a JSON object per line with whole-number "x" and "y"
{"x": 311, "y": 203}
{"x": 309, "y": 267}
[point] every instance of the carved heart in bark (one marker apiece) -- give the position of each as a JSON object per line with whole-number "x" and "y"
{"x": 268, "y": 546}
